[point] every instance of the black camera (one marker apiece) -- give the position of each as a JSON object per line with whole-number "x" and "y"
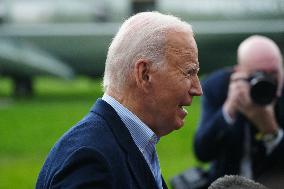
{"x": 263, "y": 87}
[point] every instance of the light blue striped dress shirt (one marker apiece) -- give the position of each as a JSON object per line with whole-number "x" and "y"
{"x": 144, "y": 138}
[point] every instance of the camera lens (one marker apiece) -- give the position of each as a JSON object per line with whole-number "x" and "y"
{"x": 263, "y": 88}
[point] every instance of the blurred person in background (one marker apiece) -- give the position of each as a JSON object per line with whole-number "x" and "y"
{"x": 242, "y": 119}
{"x": 235, "y": 182}
{"x": 150, "y": 75}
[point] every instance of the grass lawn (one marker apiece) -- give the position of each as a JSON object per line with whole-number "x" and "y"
{"x": 30, "y": 127}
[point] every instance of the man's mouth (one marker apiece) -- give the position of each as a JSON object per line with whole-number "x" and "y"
{"x": 183, "y": 112}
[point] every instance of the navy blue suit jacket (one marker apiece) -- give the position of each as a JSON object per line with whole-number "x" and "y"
{"x": 222, "y": 144}
{"x": 97, "y": 153}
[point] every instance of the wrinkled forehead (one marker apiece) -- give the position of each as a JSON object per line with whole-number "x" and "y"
{"x": 180, "y": 40}
{"x": 181, "y": 45}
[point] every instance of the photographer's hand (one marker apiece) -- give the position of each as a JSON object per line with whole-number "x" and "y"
{"x": 239, "y": 100}
{"x": 263, "y": 117}
{"x": 237, "y": 89}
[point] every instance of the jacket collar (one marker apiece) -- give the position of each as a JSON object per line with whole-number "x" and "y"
{"x": 136, "y": 161}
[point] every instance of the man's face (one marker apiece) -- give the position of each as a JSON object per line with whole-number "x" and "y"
{"x": 175, "y": 84}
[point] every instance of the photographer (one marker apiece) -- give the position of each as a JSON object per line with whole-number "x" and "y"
{"x": 241, "y": 127}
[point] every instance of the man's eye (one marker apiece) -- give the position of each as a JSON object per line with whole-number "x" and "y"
{"x": 192, "y": 72}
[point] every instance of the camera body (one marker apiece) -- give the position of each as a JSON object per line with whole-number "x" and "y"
{"x": 263, "y": 87}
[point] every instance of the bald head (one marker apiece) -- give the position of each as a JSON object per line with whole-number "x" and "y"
{"x": 259, "y": 50}
{"x": 259, "y": 53}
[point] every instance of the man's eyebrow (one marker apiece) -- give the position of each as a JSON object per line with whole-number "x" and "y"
{"x": 193, "y": 66}
{"x": 197, "y": 63}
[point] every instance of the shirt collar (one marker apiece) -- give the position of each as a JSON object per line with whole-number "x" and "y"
{"x": 139, "y": 131}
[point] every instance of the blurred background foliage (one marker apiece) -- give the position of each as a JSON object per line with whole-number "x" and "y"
{"x": 69, "y": 39}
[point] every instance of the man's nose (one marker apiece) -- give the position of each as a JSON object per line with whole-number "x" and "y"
{"x": 196, "y": 89}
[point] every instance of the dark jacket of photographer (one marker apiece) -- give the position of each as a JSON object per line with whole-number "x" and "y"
{"x": 222, "y": 144}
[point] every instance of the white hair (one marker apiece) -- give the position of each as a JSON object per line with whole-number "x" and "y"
{"x": 142, "y": 36}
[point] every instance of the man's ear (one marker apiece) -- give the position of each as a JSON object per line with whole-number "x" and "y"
{"x": 142, "y": 73}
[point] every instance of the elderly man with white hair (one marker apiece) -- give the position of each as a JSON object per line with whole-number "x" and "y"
{"x": 150, "y": 76}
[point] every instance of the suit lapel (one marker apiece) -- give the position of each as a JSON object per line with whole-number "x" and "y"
{"x": 164, "y": 183}
{"x": 141, "y": 170}
{"x": 136, "y": 161}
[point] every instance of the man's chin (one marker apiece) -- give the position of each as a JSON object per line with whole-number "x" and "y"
{"x": 180, "y": 124}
